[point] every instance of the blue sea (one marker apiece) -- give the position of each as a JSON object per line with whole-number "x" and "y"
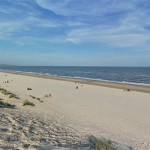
{"x": 136, "y": 75}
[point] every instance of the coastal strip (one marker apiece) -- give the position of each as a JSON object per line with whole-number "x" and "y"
{"x": 118, "y": 85}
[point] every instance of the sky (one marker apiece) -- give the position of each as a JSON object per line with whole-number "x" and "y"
{"x": 75, "y": 32}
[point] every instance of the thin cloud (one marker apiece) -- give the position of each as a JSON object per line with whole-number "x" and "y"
{"x": 85, "y": 7}
{"x": 112, "y": 22}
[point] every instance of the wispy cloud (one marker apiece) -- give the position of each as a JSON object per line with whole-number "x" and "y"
{"x": 127, "y": 30}
{"x": 112, "y": 22}
{"x": 85, "y": 7}
{"x": 126, "y": 34}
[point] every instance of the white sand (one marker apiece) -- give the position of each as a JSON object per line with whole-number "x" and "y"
{"x": 111, "y": 113}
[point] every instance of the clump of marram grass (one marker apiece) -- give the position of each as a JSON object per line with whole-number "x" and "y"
{"x": 3, "y": 90}
{"x": 6, "y": 105}
{"x": 11, "y": 95}
{"x": 26, "y": 102}
{"x": 32, "y": 96}
{"x": 37, "y": 98}
{"x": 101, "y": 144}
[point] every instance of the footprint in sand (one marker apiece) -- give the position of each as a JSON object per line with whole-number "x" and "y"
{"x": 23, "y": 132}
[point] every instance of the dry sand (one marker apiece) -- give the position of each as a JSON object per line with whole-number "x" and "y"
{"x": 70, "y": 114}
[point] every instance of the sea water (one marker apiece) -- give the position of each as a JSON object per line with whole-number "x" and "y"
{"x": 137, "y": 75}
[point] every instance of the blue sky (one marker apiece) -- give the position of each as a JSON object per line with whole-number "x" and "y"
{"x": 75, "y": 32}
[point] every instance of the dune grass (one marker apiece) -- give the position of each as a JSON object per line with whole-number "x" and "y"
{"x": 37, "y": 98}
{"x": 11, "y": 95}
{"x": 6, "y": 105}
{"x": 101, "y": 144}
{"x": 26, "y": 102}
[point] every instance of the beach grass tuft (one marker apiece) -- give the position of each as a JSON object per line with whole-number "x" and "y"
{"x": 11, "y": 95}
{"x": 6, "y": 105}
{"x": 101, "y": 144}
{"x": 37, "y": 98}
{"x": 26, "y": 102}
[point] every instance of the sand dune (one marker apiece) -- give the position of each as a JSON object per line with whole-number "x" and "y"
{"x": 24, "y": 131}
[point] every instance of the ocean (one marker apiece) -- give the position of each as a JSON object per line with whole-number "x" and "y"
{"x": 135, "y": 75}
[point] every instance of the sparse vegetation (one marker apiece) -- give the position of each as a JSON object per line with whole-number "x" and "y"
{"x": 37, "y": 98}
{"x": 26, "y": 102}
{"x": 5, "y": 105}
{"x": 130, "y": 147}
{"x": 32, "y": 96}
{"x": 101, "y": 144}
{"x": 11, "y": 95}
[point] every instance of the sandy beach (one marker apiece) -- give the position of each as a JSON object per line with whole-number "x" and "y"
{"x": 67, "y": 112}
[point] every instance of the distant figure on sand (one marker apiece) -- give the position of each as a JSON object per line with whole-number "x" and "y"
{"x": 48, "y": 95}
{"x": 127, "y": 90}
{"x": 77, "y": 87}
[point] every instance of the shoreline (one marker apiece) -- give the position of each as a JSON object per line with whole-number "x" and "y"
{"x": 118, "y": 85}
